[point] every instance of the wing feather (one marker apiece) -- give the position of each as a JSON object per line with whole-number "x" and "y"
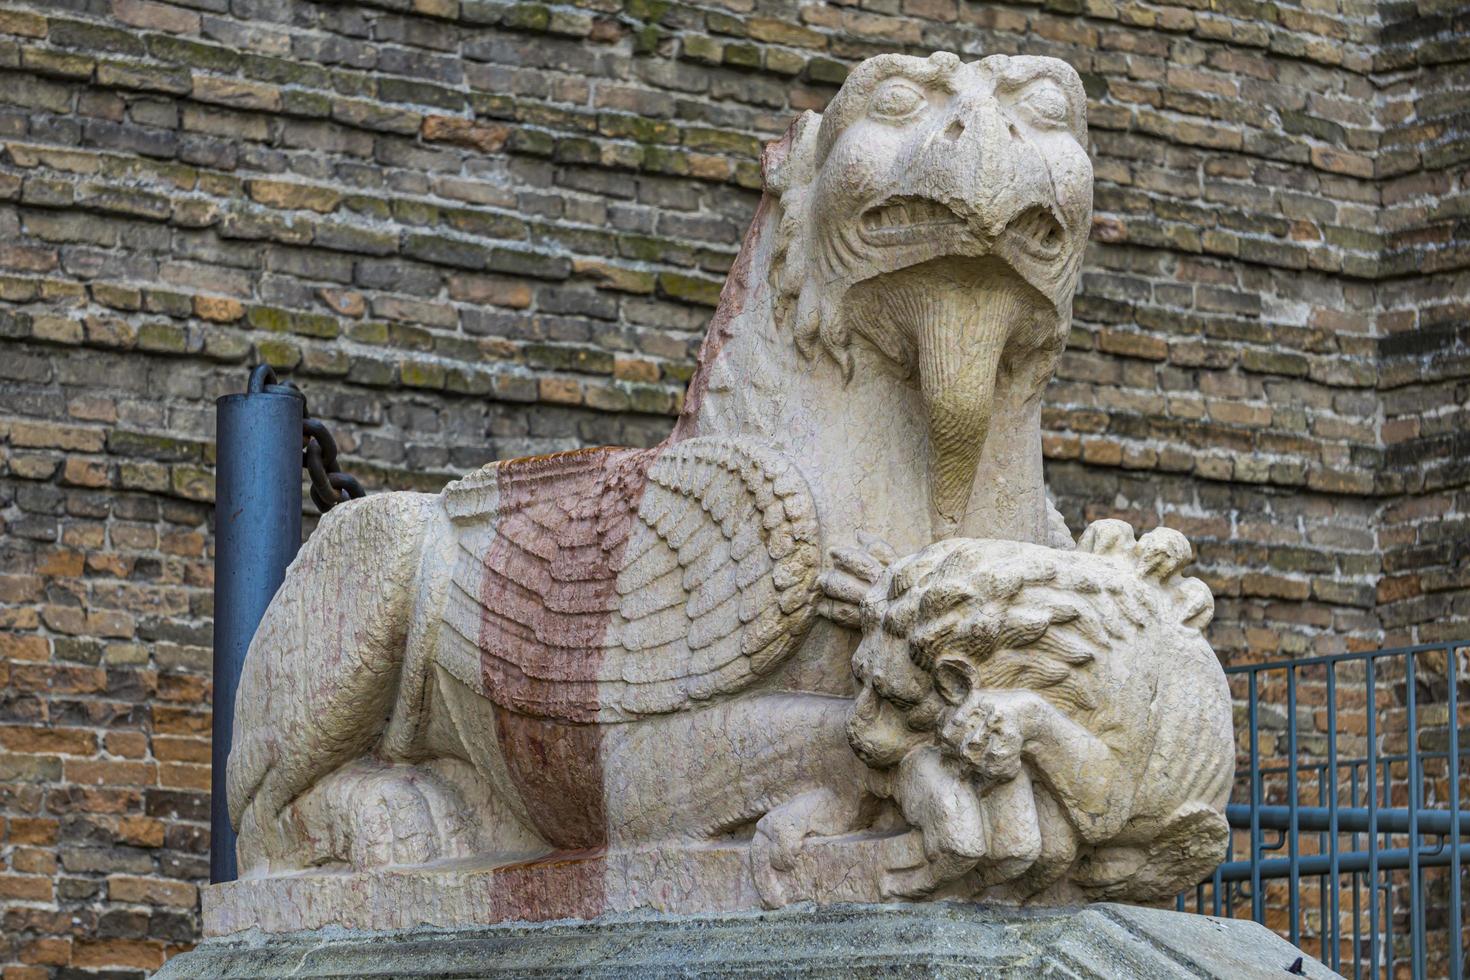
{"x": 604, "y": 585}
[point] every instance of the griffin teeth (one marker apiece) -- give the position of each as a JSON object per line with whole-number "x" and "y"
{"x": 906, "y": 219}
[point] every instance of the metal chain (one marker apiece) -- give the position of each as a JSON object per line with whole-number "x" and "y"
{"x": 329, "y": 485}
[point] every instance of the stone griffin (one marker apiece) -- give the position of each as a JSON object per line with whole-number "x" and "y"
{"x": 627, "y": 651}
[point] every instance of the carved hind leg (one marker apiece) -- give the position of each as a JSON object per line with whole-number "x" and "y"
{"x": 775, "y": 766}
{"x": 374, "y": 814}
{"x": 325, "y": 674}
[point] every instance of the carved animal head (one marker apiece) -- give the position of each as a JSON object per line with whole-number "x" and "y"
{"x": 896, "y": 704}
{"x": 938, "y": 211}
{"x": 972, "y": 617}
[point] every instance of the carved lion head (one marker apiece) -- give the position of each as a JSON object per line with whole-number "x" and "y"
{"x": 946, "y": 628}
{"x": 938, "y": 211}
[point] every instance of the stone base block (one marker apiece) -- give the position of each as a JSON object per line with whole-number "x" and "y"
{"x": 1107, "y": 942}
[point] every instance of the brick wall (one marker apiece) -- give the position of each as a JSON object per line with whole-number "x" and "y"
{"x": 475, "y": 229}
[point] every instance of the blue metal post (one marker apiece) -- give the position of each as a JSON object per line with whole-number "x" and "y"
{"x": 257, "y": 533}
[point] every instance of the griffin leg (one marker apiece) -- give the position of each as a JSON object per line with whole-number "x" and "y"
{"x": 307, "y": 708}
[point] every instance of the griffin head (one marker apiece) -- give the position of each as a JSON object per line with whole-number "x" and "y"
{"x": 938, "y": 210}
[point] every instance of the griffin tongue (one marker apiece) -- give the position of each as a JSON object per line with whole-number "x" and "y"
{"x": 961, "y": 336}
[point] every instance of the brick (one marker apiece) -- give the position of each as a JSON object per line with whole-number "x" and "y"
{"x": 236, "y": 93}
{"x": 566, "y": 391}
{"x": 31, "y": 830}
{"x": 777, "y": 31}
{"x": 490, "y": 289}
{"x": 52, "y": 436}
{"x": 25, "y": 888}
{"x": 22, "y": 23}
{"x": 141, "y": 831}
{"x": 93, "y": 37}
{"x": 689, "y": 289}
{"x": 56, "y": 741}
{"x": 144, "y": 77}
{"x": 138, "y": 954}
{"x": 1133, "y": 345}
{"x": 283, "y": 194}
{"x": 151, "y": 891}
{"x": 479, "y": 136}
{"x": 156, "y": 16}
{"x": 47, "y": 952}
{"x": 220, "y": 309}
{"x": 106, "y": 773}
{"x": 57, "y": 64}
{"x": 129, "y": 745}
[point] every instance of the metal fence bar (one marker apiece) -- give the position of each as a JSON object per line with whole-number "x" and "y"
{"x": 1389, "y": 820}
{"x": 1416, "y": 878}
{"x": 1387, "y": 889}
{"x": 1456, "y": 968}
{"x": 1334, "y": 865}
{"x": 1357, "y": 891}
{"x": 1294, "y": 905}
{"x": 1389, "y": 859}
{"x": 1258, "y": 908}
{"x": 1372, "y": 786}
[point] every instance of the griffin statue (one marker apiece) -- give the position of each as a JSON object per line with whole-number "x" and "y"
{"x": 634, "y": 668}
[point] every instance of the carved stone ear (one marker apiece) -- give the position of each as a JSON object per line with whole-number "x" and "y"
{"x": 1196, "y": 603}
{"x": 952, "y": 679}
{"x": 1107, "y": 537}
{"x": 1162, "y": 552}
{"x": 791, "y": 161}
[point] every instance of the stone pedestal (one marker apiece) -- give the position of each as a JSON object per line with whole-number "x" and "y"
{"x": 1108, "y": 942}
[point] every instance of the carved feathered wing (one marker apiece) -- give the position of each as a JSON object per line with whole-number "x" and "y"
{"x": 609, "y": 584}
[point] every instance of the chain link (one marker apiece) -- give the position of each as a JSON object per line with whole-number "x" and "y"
{"x": 329, "y": 485}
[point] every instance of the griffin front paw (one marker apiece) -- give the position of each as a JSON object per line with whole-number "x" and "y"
{"x": 854, "y": 572}
{"x": 988, "y": 729}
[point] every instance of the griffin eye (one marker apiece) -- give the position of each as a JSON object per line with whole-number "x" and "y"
{"x": 896, "y": 100}
{"x": 1045, "y": 102}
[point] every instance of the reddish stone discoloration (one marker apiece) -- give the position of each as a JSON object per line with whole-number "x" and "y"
{"x": 557, "y": 770}
{"x": 733, "y": 297}
{"x": 549, "y": 585}
{"x": 566, "y": 885}
{"x": 548, "y": 594}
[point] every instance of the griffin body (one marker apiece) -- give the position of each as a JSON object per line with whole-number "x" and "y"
{"x": 616, "y": 648}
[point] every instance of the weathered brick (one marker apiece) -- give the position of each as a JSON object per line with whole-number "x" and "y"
{"x": 283, "y": 194}
{"x": 236, "y": 93}
{"x": 479, "y": 136}
{"x": 139, "y": 954}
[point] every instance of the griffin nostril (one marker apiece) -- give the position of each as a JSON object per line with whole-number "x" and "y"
{"x": 955, "y": 131}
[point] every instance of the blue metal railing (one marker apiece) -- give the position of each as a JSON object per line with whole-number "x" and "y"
{"x": 1353, "y": 763}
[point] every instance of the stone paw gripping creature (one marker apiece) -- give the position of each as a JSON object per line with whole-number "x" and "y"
{"x": 1051, "y": 723}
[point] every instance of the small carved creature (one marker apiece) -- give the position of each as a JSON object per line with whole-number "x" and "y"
{"x": 1053, "y": 723}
